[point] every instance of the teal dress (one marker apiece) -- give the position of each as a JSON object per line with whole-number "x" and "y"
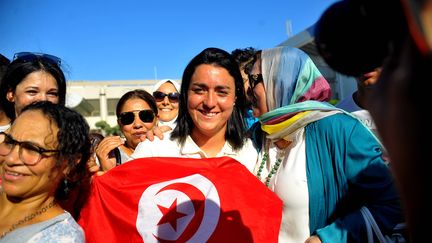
{"x": 345, "y": 171}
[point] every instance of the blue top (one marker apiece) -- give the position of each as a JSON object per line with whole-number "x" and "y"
{"x": 349, "y": 104}
{"x": 249, "y": 118}
{"x": 61, "y": 228}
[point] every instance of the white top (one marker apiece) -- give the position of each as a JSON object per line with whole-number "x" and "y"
{"x": 365, "y": 117}
{"x": 348, "y": 104}
{"x": 4, "y": 127}
{"x": 290, "y": 184}
{"x": 172, "y": 123}
{"x": 168, "y": 148}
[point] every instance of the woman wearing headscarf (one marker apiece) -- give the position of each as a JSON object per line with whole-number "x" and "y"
{"x": 166, "y": 94}
{"x": 323, "y": 163}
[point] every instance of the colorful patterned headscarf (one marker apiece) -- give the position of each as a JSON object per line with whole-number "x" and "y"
{"x": 290, "y": 76}
{"x": 296, "y": 91}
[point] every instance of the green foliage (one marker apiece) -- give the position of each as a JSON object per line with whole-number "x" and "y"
{"x": 107, "y": 129}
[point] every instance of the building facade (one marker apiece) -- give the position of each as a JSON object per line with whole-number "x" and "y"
{"x": 97, "y": 100}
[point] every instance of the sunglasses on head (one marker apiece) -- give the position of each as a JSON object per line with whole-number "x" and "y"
{"x": 160, "y": 96}
{"x": 31, "y": 56}
{"x": 127, "y": 118}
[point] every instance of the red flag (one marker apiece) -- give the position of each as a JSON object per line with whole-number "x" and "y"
{"x": 179, "y": 200}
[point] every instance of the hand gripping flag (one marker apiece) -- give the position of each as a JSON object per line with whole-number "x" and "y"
{"x": 181, "y": 200}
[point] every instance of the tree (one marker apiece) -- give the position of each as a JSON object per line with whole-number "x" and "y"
{"x": 107, "y": 129}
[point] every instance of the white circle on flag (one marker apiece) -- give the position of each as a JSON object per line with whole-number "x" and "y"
{"x": 169, "y": 208}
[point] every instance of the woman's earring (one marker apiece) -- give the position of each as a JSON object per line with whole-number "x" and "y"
{"x": 65, "y": 186}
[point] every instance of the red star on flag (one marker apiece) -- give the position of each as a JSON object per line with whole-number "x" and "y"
{"x": 170, "y": 215}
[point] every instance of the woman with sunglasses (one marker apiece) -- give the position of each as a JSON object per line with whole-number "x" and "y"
{"x": 166, "y": 94}
{"x": 43, "y": 161}
{"x": 136, "y": 114}
{"x": 210, "y": 121}
{"x": 323, "y": 163}
{"x": 32, "y": 77}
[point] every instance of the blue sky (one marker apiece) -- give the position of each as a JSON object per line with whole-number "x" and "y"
{"x": 145, "y": 39}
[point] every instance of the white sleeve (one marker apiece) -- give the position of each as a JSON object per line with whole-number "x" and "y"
{"x": 156, "y": 148}
{"x": 146, "y": 149}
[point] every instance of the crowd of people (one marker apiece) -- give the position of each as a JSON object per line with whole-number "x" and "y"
{"x": 267, "y": 109}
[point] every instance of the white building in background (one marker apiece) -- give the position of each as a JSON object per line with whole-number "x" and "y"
{"x": 97, "y": 100}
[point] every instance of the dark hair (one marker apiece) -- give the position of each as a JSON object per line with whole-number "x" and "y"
{"x": 19, "y": 69}
{"x": 137, "y": 94}
{"x": 95, "y": 139}
{"x": 340, "y": 38}
{"x": 4, "y": 62}
{"x": 244, "y": 56}
{"x": 236, "y": 128}
{"x": 73, "y": 145}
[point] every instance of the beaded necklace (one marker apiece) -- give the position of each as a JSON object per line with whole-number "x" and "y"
{"x": 28, "y": 218}
{"x": 280, "y": 157}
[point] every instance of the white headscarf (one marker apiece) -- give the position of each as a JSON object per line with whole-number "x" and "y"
{"x": 171, "y": 123}
{"x": 158, "y": 84}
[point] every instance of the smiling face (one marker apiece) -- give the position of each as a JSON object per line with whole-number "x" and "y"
{"x": 137, "y": 128}
{"x": 34, "y": 87}
{"x": 168, "y": 110}
{"x": 23, "y": 181}
{"x": 211, "y": 97}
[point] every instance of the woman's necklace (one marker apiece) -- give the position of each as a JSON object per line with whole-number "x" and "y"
{"x": 28, "y": 218}
{"x": 280, "y": 157}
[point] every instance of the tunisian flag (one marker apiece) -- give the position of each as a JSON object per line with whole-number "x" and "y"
{"x": 181, "y": 200}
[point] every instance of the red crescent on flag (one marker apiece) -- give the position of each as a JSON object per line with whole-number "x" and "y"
{"x": 198, "y": 201}
{"x": 183, "y": 209}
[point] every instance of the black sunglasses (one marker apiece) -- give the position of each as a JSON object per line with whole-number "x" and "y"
{"x": 254, "y": 80}
{"x": 127, "y": 118}
{"x": 31, "y": 56}
{"x": 160, "y": 96}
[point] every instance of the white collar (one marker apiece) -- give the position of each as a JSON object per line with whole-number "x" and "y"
{"x": 190, "y": 147}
